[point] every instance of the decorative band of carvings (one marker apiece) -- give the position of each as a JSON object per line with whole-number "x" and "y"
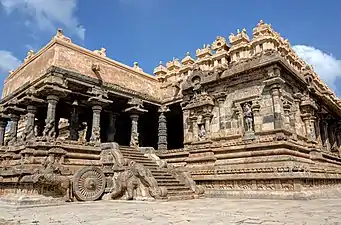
{"x": 271, "y": 184}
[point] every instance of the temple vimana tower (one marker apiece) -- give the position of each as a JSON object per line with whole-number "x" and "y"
{"x": 242, "y": 118}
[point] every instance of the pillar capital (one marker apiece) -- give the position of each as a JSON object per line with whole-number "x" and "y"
{"x": 97, "y": 108}
{"x": 31, "y": 109}
{"x": 52, "y": 98}
{"x": 163, "y": 109}
{"x": 134, "y": 117}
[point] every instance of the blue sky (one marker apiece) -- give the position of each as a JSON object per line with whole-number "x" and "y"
{"x": 148, "y": 31}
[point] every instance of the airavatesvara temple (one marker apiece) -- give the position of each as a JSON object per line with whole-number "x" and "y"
{"x": 245, "y": 118}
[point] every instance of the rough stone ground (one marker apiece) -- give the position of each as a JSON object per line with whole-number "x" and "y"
{"x": 201, "y": 211}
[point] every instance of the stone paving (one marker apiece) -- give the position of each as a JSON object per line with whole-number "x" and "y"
{"x": 201, "y": 211}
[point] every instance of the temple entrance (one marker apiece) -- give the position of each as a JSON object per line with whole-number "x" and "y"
{"x": 175, "y": 129}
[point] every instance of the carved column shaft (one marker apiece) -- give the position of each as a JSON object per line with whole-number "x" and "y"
{"x": 3, "y": 124}
{"x": 162, "y": 132}
{"x": 112, "y": 127}
{"x": 326, "y": 143}
{"x": 50, "y": 122}
{"x": 222, "y": 121}
{"x": 29, "y": 128}
{"x": 277, "y": 106}
{"x": 207, "y": 120}
{"x": 318, "y": 130}
{"x": 96, "y": 118}
{"x": 332, "y": 136}
{"x": 309, "y": 122}
{"x": 195, "y": 128}
{"x": 134, "y": 138}
{"x": 74, "y": 123}
{"x": 14, "y": 128}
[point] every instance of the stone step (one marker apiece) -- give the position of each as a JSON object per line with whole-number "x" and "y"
{"x": 126, "y": 152}
{"x": 170, "y": 184}
{"x": 168, "y": 181}
{"x": 181, "y": 197}
{"x": 178, "y": 188}
{"x": 177, "y": 193}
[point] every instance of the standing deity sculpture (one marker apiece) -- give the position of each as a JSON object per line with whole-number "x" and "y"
{"x": 248, "y": 117}
{"x": 202, "y": 132}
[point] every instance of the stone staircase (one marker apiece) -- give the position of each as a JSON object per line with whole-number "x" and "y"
{"x": 176, "y": 189}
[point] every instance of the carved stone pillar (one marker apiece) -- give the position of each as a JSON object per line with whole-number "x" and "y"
{"x": 318, "y": 130}
{"x": 12, "y": 137}
{"x": 3, "y": 124}
{"x": 134, "y": 137}
{"x": 50, "y": 122}
{"x": 135, "y": 109}
{"x": 308, "y": 112}
{"x": 195, "y": 128}
{"x": 258, "y": 119}
{"x": 74, "y": 122}
{"x": 332, "y": 137}
{"x": 274, "y": 82}
{"x": 162, "y": 130}
{"x": 96, "y": 129}
{"x": 221, "y": 110}
{"x": 29, "y": 133}
{"x": 112, "y": 126}
{"x": 338, "y": 136}
{"x": 277, "y": 106}
{"x": 326, "y": 143}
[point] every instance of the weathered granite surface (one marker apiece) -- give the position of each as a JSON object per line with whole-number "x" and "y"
{"x": 201, "y": 211}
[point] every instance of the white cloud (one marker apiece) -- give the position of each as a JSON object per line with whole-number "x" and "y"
{"x": 47, "y": 14}
{"x": 8, "y": 62}
{"x": 326, "y": 65}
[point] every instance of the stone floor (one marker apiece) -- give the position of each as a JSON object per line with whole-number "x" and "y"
{"x": 201, "y": 211}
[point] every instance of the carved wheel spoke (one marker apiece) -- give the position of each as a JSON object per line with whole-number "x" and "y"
{"x": 89, "y": 184}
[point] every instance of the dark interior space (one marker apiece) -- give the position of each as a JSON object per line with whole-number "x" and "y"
{"x": 175, "y": 131}
{"x": 123, "y": 128}
{"x": 148, "y": 127}
{"x": 123, "y": 122}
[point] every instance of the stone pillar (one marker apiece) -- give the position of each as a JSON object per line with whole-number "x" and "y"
{"x": 257, "y": 118}
{"x": 74, "y": 122}
{"x": 50, "y": 122}
{"x": 3, "y": 124}
{"x": 338, "y": 136}
{"x": 309, "y": 122}
{"x": 162, "y": 132}
{"x": 286, "y": 109}
{"x": 29, "y": 133}
{"x": 134, "y": 137}
{"x": 318, "y": 131}
{"x": 195, "y": 128}
{"x": 221, "y": 101}
{"x": 326, "y": 143}
{"x": 13, "y": 129}
{"x": 332, "y": 137}
{"x": 112, "y": 127}
{"x": 96, "y": 129}
{"x": 277, "y": 106}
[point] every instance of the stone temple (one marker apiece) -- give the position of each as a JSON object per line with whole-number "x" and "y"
{"x": 247, "y": 118}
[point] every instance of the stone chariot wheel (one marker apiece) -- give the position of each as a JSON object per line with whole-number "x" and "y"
{"x": 88, "y": 184}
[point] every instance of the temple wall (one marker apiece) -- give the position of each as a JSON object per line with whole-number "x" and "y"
{"x": 79, "y": 61}
{"x": 30, "y": 72}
